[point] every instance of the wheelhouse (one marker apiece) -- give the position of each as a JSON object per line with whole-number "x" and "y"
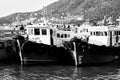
{"x": 39, "y": 34}
{"x": 101, "y": 35}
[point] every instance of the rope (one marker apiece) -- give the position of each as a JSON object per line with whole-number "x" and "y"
{"x": 20, "y": 52}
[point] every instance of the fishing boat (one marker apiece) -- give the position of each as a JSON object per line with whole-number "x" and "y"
{"x": 44, "y": 45}
{"x": 95, "y": 44}
{"x": 84, "y": 45}
{"x": 8, "y": 46}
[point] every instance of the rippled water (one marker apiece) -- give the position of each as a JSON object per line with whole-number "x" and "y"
{"x": 59, "y": 72}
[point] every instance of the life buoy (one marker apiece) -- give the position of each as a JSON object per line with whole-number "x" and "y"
{"x": 1, "y": 45}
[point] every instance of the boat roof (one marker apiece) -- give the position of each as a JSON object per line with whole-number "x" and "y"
{"x": 37, "y": 26}
{"x": 117, "y": 28}
{"x": 101, "y": 28}
{"x": 62, "y": 31}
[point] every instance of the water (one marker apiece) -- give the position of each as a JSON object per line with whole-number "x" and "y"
{"x": 59, "y": 72}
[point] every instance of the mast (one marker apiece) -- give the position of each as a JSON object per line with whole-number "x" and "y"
{"x": 45, "y": 18}
{"x": 44, "y": 12}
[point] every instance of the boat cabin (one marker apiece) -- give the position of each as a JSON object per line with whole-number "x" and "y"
{"x": 101, "y": 35}
{"x": 39, "y": 34}
{"x": 60, "y": 36}
{"x": 47, "y": 35}
{"x": 114, "y": 36}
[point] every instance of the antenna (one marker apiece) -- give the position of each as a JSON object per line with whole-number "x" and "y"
{"x": 118, "y": 20}
{"x": 45, "y": 12}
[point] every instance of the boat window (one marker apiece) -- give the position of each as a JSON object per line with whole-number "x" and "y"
{"x": 94, "y": 33}
{"x": 101, "y": 34}
{"x": 68, "y": 35}
{"x": 44, "y": 32}
{"x": 97, "y": 33}
{"x": 65, "y": 35}
{"x": 116, "y": 33}
{"x": 119, "y": 32}
{"x": 30, "y": 31}
{"x": 90, "y": 33}
{"x": 85, "y": 30}
{"x": 105, "y": 33}
{"x": 37, "y": 31}
{"x": 62, "y": 36}
{"x": 58, "y": 35}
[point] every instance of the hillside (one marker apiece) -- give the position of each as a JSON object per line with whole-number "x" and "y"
{"x": 71, "y": 9}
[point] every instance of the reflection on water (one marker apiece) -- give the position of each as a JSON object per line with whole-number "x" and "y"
{"x": 59, "y": 72}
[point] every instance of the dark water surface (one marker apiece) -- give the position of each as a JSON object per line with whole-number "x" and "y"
{"x": 59, "y": 72}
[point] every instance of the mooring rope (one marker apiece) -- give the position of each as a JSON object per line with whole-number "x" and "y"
{"x": 20, "y": 52}
{"x": 75, "y": 54}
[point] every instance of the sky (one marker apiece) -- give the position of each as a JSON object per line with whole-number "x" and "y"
{"x": 8, "y": 7}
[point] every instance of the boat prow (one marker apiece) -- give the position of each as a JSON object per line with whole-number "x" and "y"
{"x": 88, "y": 54}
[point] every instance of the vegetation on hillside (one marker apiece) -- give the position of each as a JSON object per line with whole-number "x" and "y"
{"x": 93, "y": 10}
